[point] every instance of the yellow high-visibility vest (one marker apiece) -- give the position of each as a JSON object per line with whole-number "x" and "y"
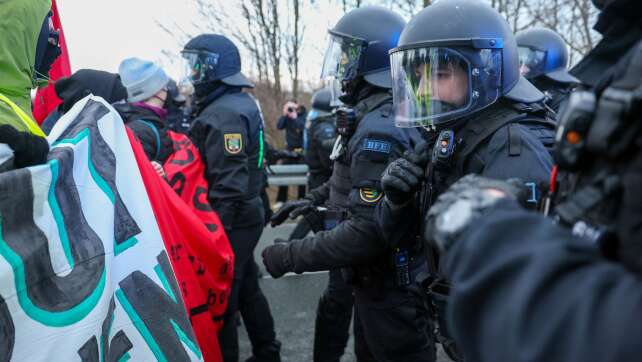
{"x": 31, "y": 125}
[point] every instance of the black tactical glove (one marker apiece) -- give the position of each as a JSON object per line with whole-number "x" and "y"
{"x": 464, "y": 202}
{"x": 402, "y": 177}
{"x": 28, "y": 149}
{"x": 292, "y": 209}
{"x": 276, "y": 258}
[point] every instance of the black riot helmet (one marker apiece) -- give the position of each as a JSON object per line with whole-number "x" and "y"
{"x": 321, "y": 104}
{"x": 358, "y": 48}
{"x": 543, "y": 52}
{"x": 321, "y": 100}
{"x": 455, "y": 58}
{"x": 213, "y": 57}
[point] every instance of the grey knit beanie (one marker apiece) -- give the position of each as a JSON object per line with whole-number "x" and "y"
{"x": 142, "y": 78}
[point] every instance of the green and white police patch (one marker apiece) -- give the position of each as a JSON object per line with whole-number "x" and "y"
{"x": 233, "y": 143}
{"x": 369, "y": 195}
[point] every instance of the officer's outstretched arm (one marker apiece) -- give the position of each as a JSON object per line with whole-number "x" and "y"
{"x": 524, "y": 289}
{"x": 353, "y": 242}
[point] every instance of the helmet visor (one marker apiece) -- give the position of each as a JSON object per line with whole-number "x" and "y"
{"x": 532, "y": 62}
{"x": 197, "y": 65}
{"x": 433, "y": 85}
{"x": 342, "y": 58}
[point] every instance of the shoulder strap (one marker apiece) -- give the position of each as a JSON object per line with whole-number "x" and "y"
{"x": 371, "y": 103}
{"x": 31, "y": 125}
{"x": 156, "y": 135}
{"x": 487, "y": 124}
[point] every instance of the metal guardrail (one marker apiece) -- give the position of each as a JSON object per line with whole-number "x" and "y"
{"x": 285, "y": 175}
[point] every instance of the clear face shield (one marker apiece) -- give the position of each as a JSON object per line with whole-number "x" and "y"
{"x": 341, "y": 63}
{"x": 433, "y": 85}
{"x": 197, "y": 65}
{"x": 531, "y": 62}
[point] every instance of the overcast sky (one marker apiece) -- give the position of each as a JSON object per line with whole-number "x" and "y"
{"x": 101, "y": 33}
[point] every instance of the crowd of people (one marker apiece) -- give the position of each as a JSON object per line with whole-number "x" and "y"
{"x": 464, "y": 189}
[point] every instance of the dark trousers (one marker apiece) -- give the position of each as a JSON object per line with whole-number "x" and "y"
{"x": 394, "y": 326}
{"x": 282, "y": 195}
{"x": 334, "y": 313}
{"x": 247, "y": 298}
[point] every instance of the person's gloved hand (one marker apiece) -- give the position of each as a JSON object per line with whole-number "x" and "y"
{"x": 276, "y": 258}
{"x": 28, "y": 149}
{"x": 296, "y": 207}
{"x": 402, "y": 177}
{"x": 465, "y": 200}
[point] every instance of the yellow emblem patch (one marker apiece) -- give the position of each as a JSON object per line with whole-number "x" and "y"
{"x": 233, "y": 143}
{"x": 369, "y": 195}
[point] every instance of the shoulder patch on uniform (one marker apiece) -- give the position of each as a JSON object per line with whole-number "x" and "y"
{"x": 370, "y": 144}
{"x": 233, "y": 143}
{"x": 369, "y": 195}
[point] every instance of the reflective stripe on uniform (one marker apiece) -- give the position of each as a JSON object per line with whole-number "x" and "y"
{"x": 31, "y": 125}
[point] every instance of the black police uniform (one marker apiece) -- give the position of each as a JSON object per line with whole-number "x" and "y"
{"x": 517, "y": 274}
{"x": 322, "y": 134}
{"x": 512, "y": 150}
{"x": 227, "y": 134}
{"x": 390, "y": 322}
{"x": 567, "y": 290}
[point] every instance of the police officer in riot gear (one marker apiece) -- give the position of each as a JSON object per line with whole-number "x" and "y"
{"x": 228, "y": 131}
{"x": 391, "y": 323}
{"x": 318, "y": 141}
{"x": 570, "y": 286}
{"x": 459, "y": 80}
{"x": 320, "y": 135}
{"x": 543, "y": 60}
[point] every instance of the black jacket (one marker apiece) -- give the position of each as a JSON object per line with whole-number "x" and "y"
{"x": 149, "y": 128}
{"x": 542, "y": 294}
{"x": 227, "y": 132}
{"x": 293, "y": 130}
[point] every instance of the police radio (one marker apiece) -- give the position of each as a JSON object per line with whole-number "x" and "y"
{"x": 444, "y": 149}
{"x": 402, "y": 268}
{"x": 572, "y": 133}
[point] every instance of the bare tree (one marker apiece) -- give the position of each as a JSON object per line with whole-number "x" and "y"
{"x": 571, "y": 19}
{"x": 294, "y": 40}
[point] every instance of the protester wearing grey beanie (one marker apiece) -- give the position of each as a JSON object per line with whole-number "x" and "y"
{"x": 145, "y": 113}
{"x": 143, "y": 79}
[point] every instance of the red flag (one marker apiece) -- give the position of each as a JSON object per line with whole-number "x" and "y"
{"x": 185, "y": 170}
{"x": 201, "y": 256}
{"x": 46, "y": 99}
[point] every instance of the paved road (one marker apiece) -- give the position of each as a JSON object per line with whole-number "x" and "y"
{"x": 293, "y": 300}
